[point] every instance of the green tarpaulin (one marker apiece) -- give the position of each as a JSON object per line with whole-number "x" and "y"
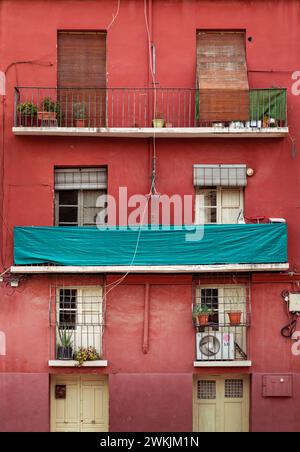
{"x": 221, "y": 244}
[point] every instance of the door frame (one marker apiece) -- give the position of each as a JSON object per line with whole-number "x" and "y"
{"x": 247, "y": 391}
{"x": 75, "y": 377}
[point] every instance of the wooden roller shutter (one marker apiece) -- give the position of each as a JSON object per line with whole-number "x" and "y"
{"x": 82, "y": 75}
{"x": 222, "y": 77}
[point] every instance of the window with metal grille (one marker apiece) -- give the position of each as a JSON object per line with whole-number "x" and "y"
{"x": 76, "y": 193}
{"x": 79, "y": 317}
{"x": 207, "y": 390}
{"x": 234, "y": 389}
{"x": 219, "y": 205}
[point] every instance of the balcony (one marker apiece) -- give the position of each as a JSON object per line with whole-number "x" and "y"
{"x": 129, "y": 112}
{"x": 175, "y": 249}
{"x": 222, "y": 317}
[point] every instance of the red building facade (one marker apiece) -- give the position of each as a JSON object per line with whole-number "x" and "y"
{"x": 148, "y": 376}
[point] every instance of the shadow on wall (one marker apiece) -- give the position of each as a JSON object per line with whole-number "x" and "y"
{"x": 2, "y": 344}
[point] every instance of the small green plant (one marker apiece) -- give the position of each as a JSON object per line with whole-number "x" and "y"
{"x": 79, "y": 110}
{"x": 200, "y": 309}
{"x": 27, "y": 109}
{"x": 49, "y": 105}
{"x": 86, "y": 354}
{"x": 65, "y": 338}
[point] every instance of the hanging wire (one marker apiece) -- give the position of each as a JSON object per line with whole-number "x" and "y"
{"x": 115, "y": 15}
{"x": 153, "y": 190}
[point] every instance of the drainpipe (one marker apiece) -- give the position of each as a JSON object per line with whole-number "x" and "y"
{"x": 146, "y": 319}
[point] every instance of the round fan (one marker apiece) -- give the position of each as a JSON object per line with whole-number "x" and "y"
{"x": 209, "y": 346}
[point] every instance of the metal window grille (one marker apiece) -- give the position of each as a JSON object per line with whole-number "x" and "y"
{"x": 220, "y": 339}
{"x": 80, "y": 179}
{"x": 76, "y": 320}
{"x": 207, "y": 390}
{"x": 234, "y": 389}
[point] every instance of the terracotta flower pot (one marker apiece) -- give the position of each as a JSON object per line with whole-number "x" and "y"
{"x": 203, "y": 319}
{"x": 47, "y": 115}
{"x": 80, "y": 123}
{"x": 235, "y": 318}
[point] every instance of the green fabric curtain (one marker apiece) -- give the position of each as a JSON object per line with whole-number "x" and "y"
{"x": 268, "y": 102}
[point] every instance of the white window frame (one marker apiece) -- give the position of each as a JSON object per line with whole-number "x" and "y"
{"x": 80, "y": 205}
{"x": 219, "y": 190}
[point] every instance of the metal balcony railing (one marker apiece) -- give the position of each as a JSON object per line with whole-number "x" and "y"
{"x": 222, "y": 317}
{"x": 134, "y": 108}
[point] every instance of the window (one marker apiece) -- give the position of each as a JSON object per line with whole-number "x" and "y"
{"x": 79, "y": 317}
{"x": 221, "y": 302}
{"x": 76, "y": 194}
{"x": 222, "y": 299}
{"x": 218, "y": 205}
{"x": 219, "y": 193}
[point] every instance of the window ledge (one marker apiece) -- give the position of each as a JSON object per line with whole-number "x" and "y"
{"x": 67, "y": 363}
{"x": 222, "y": 363}
{"x": 174, "y": 132}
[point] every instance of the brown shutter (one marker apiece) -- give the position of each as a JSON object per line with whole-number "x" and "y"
{"x": 222, "y": 76}
{"x": 82, "y": 67}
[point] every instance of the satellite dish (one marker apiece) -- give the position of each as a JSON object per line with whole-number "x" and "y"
{"x": 209, "y": 346}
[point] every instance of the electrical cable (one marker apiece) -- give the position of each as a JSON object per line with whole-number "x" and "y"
{"x": 288, "y": 330}
{"x": 153, "y": 184}
{"x": 115, "y": 15}
{"x": 153, "y": 190}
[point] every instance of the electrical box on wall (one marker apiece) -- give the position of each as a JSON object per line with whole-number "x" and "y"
{"x": 277, "y": 386}
{"x": 294, "y": 302}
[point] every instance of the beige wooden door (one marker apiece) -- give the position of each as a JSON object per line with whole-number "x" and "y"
{"x": 221, "y": 404}
{"x": 85, "y": 406}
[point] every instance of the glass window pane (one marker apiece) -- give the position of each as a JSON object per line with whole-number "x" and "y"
{"x": 210, "y": 215}
{"x": 68, "y": 299}
{"x": 67, "y": 320}
{"x": 210, "y": 198}
{"x": 68, "y": 197}
{"x": 90, "y": 211}
{"x": 68, "y": 215}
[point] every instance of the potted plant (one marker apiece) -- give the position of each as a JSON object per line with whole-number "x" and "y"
{"x": 79, "y": 114}
{"x": 202, "y": 314}
{"x": 28, "y": 112}
{"x": 65, "y": 347}
{"x": 235, "y": 317}
{"x": 158, "y": 120}
{"x": 86, "y": 354}
{"x": 50, "y": 110}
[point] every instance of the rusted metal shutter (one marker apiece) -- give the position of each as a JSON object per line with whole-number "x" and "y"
{"x": 82, "y": 75}
{"x": 222, "y": 77}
